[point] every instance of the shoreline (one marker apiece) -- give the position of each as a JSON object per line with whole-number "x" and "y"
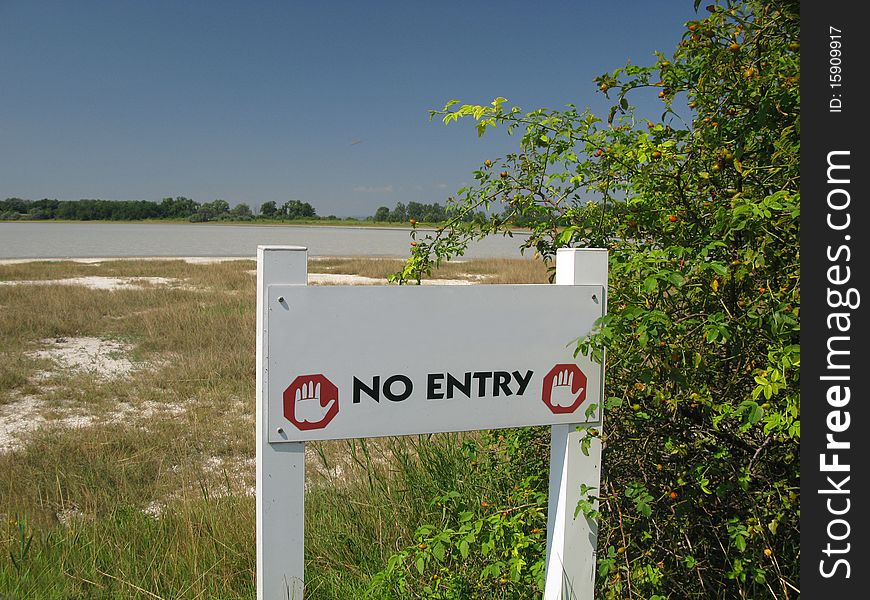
{"x": 328, "y": 225}
{"x": 197, "y": 260}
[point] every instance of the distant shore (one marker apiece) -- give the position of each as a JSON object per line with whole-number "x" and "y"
{"x": 258, "y": 223}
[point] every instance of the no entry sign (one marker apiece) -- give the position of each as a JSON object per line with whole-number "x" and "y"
{"x": 351, "y": 362}
{"x": 347, "y": 362}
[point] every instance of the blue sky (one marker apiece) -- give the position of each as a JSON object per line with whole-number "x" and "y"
{"x": 324, "y": 102}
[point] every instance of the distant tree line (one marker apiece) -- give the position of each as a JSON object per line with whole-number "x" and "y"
{"x": 181, "y": 208}
{"x": 436, "y": 213}
{"x": 418, "y": 211}
{"x": 138, "y": 210}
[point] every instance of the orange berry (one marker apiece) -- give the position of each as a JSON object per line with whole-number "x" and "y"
{"x": 412, "y": 221}
{"x": 662, "y": 94}
{"x": 672, "y": 218}
{"x": 761, "y": 290}
{"x": 487, "y": 162}
{"x": 536, "y": 530}
{"x": 659, "y": 467}
{"x": 673, "y": 495}
{"x": 422, "y": 546}
{"x": 734, "y": 47}
{"x": 413, "y": 243}
{"x": 503, "y": 174}
{"x": 768, "y": 552}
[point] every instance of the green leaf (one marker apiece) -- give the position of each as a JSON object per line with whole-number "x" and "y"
{"x": 677, "y": 279}
{"x": 650, "y": 284}
{"x": 718, "y": 268}
{"x": 438, "y": 552}
{"x": 463, "y": 549}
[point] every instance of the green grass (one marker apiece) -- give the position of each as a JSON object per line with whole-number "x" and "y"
{"x": 151, "y": 497}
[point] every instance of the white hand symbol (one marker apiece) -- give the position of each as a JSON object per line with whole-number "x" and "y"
{"x": 308, "y": 408}
{"x": 562, "y": 393}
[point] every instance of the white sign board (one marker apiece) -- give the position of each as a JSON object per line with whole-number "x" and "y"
{"x": 344, "y": 362}
{"x": 351, "y": 362}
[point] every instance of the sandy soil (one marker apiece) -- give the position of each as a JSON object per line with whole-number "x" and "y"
{"x": 341, "y": 279}
{"x": 194, "y": 260}
{"x": 104, "y": 358}
{"x": 103, "y": 283}
{"x": 107, "y": 359}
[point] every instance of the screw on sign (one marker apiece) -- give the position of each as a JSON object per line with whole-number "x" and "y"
{"x": 311, "y": 402}
{"x": 564, "y": 388}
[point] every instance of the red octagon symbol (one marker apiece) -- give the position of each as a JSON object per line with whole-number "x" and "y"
{"x": 311, "y": 402}
{"x": 564, "y": 388}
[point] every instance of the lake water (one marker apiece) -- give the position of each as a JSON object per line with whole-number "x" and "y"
{"x": 92, "y": 240}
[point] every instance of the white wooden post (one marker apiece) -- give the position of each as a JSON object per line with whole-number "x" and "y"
{"x": 280, "y": 467}
{"x": 571, "y": 543}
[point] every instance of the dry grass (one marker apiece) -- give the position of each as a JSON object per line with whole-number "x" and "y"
{"x": 487, "y": 270}
{"x": 173, "y": 438}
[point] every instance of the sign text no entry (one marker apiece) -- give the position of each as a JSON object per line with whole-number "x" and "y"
{"x": 349, "y": 362}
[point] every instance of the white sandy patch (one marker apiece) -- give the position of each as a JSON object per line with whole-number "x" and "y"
{"x": 343, "y": 279}
{"x": 141, "y": 412}
{"x": 104, "y": 358}
{"x": 96, "y": 282}
{"x": 446, "y": 282}
{"x": 66, "y": 516}
{"x": 210, "y": 260}
{"x": 24, "y": 415}
{"x": 28, "y": 413}
{"x": 194, "y": 260}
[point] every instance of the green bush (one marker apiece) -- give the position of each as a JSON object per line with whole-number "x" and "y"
{"x": 701, "y": 215}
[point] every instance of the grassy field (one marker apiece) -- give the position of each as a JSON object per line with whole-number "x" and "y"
{"x": 127, "y": 438}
